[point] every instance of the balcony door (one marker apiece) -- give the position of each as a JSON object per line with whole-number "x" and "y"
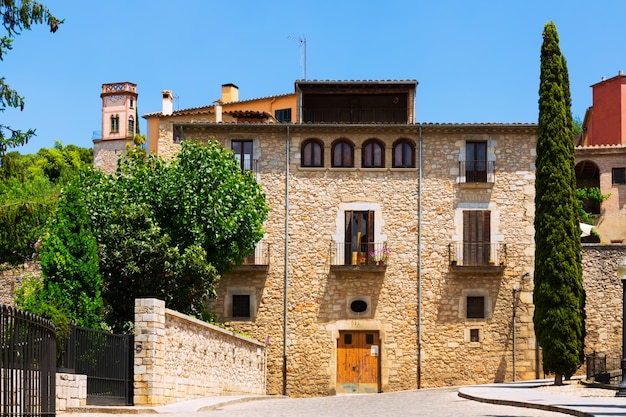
{"x": 476, "y": 161}
{"x": 476, "y": 237}
{"x": 359, "y": 237}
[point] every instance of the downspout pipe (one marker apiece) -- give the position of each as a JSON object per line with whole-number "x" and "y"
{"x": 286, "y": 271}
{"x": 419, "y": 263}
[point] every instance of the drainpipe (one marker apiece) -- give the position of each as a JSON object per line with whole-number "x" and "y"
{"x": 419, "y": 265}
{"x": 286, "y": 277}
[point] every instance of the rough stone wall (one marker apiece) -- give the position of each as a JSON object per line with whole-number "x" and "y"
{"x": 71, "y": 391}
{"x": 447, "y": 349}
{"x": 12, "y": 279}
{"x": 182, "y": 358}
{"x": 107, "y": 152}
{"x": 319, "y": 296}
{"x": 603, "y": 298}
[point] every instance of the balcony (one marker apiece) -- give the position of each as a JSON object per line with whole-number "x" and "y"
{"x": 347, "y": 256}
{"x": 259, "y": 260}
{"x": 477, "y": 257}
{"x": 477, "y": 172}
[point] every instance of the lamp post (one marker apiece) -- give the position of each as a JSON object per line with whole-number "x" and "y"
{"x": 621, "y": 274}
{"x": 516, "y": 291}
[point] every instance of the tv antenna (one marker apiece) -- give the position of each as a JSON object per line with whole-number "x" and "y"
{"x": 302, "y": 41}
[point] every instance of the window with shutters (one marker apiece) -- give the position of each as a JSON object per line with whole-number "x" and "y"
{"x": 476, "y": 237}
{"x": 342, "y": 154}
{"x": 373, "y": 154}
{"x": 312, "y": 153}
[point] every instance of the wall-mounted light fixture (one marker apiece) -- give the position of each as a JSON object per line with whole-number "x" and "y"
{"x": 138, "y": 348}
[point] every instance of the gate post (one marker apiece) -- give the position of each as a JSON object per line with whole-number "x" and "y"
{"x": 149, "y": 341}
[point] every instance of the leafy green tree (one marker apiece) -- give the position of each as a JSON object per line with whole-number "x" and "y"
{"x": 69, "y": 261}
{"x": 29, "y": 186}
{"x": 18, "y": 16}
{"x": 169, "y": 229}
{"x": 559, "y": 296}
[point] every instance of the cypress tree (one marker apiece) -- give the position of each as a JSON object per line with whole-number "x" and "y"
{"x": 559, "y": 296}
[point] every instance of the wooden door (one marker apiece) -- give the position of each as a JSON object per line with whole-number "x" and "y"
{"x": 358, "y": 362}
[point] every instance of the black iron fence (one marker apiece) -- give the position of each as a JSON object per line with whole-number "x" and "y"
{"x": 358, "y": 254}
{"x": 477, "y": 171}
{"x": 106, "y": 359}
{"x": 477, "y": 254}
{"x": 603, "y": 369}
{"x": 27, "y": 364}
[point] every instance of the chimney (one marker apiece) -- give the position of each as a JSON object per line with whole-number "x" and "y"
{"x": 218, "y": 112}
{"x": 168, "y": 103}
{"x": 230, "y": 93}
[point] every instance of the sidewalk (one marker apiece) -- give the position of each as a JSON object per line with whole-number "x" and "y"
{"x": 526, "y": 394}
{"x": 191, "y": 406}
{"x": 578, "y": 401}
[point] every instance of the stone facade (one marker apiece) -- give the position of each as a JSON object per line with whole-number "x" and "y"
{"x": 181, "y": 358}
{"x": 319, "y": 295}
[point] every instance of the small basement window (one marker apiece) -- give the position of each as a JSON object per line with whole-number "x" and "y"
{"x": 474, "y": 335}
{"x": 475, "y": 307}
{"x": 241, "y": 305}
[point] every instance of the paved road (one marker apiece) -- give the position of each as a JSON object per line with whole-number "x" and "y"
{"x": 439, "y": 402}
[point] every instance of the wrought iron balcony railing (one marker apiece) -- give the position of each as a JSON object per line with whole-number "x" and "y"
{"x": 477, "y": 254}
{"x": 358, "y": 254}
{"x": 477, "y": 171}
{"x": 260, "y": 257}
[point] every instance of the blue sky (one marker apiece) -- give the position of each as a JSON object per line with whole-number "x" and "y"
{"x": 475, "y": 61}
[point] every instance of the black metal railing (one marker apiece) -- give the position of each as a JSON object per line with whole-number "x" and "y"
{"x": 355, "y": 115}
{"x": 603, "y": 369}
{"x": 260, "y": 257}
{"x": 477, "y": 254}
{"x": 106, "y": 359}
{"x": 359, "y": 254}
{"x": 27, "y": 363}
{"x": 477, "y": 171}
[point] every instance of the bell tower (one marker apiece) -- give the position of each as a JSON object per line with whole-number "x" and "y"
{"x": 119, "y": 124}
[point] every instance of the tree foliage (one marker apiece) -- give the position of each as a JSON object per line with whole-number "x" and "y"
{"x": 16, "y": 17}
{"x": 29, "y": 186}
{"x": 559, "y": 296}
{"x": 169, "y": 229}
{"x": 69, "y": 261}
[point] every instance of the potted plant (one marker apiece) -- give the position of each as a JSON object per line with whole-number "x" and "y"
{"x": 379, "y": 256}
{"x": 453, "y": 262}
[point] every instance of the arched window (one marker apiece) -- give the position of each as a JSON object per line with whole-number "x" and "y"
{"x": 343, "y": 154}
{"x": 115, "y": 123}
{"x": 312, "y": 153}
{"x": 131, "y": 126}
{"x": 373, "y": 154}
{"x": 404, "y": 154}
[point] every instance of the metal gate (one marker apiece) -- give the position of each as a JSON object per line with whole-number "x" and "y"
{"x": 106, "y": 359}
{"x": 27, "y": 359}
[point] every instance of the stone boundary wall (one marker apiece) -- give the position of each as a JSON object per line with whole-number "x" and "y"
{"x": 603, "y": 298}
{"x": 12, "y": 279}
{"x": 180, "y": 358}
{"x": 71, "y": 391}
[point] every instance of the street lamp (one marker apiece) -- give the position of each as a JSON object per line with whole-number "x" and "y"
{"x": 621, "y": 274}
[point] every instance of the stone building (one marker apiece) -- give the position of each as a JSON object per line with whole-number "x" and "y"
{"x": 398, "y": 255}
{"x": 601, "y": 156}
